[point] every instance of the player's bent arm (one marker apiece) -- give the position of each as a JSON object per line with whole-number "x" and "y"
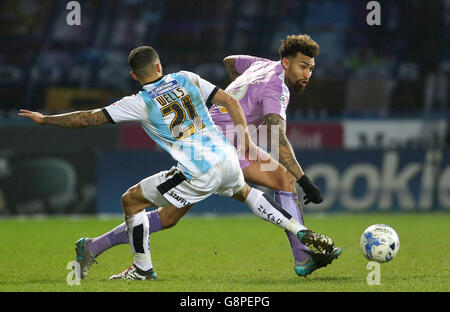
{"x": 229, "y": 63}
{"x": 78, "y": 119}
{"x": 237, "y": 116}
{"x": 286, "y": 153}
{"x": 233, "y": 107}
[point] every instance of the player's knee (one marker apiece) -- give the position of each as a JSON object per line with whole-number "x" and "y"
{"x": 128, "y": 202}
{"x": 242, "y": 194}
{"x": 125, "y": 203}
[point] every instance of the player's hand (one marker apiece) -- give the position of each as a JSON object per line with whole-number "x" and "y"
{"x": 35, "y": 116}
{"x": 312, "y": 192}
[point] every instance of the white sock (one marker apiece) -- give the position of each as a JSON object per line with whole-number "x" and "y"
{"x": 138, "y": 237}
{"x": 267, "y": 209}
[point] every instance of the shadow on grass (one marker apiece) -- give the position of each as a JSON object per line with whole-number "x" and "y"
{"x": 292, "y": 281}
{"x": 258, "y": 281}
{"x": 30, "y": 281}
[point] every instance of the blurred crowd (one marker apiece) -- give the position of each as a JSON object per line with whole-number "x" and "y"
{"x": 399, "y": 68}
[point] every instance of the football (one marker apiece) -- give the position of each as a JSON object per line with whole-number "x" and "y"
{"x": 380, "y": 243}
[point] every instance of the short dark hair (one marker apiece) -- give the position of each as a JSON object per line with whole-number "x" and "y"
{"x": 298, "y": 43}
{"x": 140, "y": 57}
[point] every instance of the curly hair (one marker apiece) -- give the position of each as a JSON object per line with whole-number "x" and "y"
{"x": 298, "y": 43}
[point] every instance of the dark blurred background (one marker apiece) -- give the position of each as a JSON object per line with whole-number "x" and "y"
{"x": 381, "y": 88}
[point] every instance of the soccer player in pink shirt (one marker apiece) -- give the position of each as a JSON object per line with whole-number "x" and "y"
{"x": 262, "y": 88}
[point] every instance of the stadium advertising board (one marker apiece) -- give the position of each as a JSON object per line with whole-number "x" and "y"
{"x": 315, "y": 135}
{"x": 352, "y": 181}
{"x": 395, "y": 133}
{"x": 47, "y": 183}
{"x": 380, "y": 180}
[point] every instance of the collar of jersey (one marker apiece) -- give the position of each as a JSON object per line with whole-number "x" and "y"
{"x": 147, "y": 83}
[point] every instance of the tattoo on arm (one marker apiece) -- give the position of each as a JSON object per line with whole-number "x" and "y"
{"x": 228, "y": 62}
{"x": 79, "y": 119}
{"x": 286, "y": 153}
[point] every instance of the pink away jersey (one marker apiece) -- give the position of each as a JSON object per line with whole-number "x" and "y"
{"x": 260, "y": 89}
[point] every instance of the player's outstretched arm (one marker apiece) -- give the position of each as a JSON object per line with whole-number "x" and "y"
{"x": 287, "y": 159}
{"x": 78, "y": 119}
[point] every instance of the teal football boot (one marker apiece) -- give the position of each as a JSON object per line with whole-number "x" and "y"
{"x": 84, "y": 257}
{"x": 316, "y": 260}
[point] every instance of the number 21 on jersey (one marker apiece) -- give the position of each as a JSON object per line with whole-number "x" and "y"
{"x": 181, "y": 111}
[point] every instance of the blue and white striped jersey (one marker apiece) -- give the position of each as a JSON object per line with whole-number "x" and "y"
{"x": 172, "y": 110}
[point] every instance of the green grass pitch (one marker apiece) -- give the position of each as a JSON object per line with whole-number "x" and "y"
{"x": 226, "y": 254}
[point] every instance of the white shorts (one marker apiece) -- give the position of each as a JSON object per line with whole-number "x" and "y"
{"x": 171, "y": 187}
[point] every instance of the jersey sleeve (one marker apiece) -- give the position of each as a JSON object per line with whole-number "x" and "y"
{"x": 129, "y": 108}
{"x": 242, "y": 62}
{"x": 207, "y": 89}
{"x": 274, "y": 102}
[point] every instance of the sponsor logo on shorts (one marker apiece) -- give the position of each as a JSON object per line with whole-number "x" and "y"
{"x": 179, "y": 199}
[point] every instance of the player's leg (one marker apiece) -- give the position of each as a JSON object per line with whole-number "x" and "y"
{"x": 267, "y": 172}
{"x": 264, "y": 207}
{"x": 88, "y": 249}
{"x": 134, "y": 231}
{"x": 159, "y": 219}
{"x": 149, "y": 192}
{"x": 137, "y": 224}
